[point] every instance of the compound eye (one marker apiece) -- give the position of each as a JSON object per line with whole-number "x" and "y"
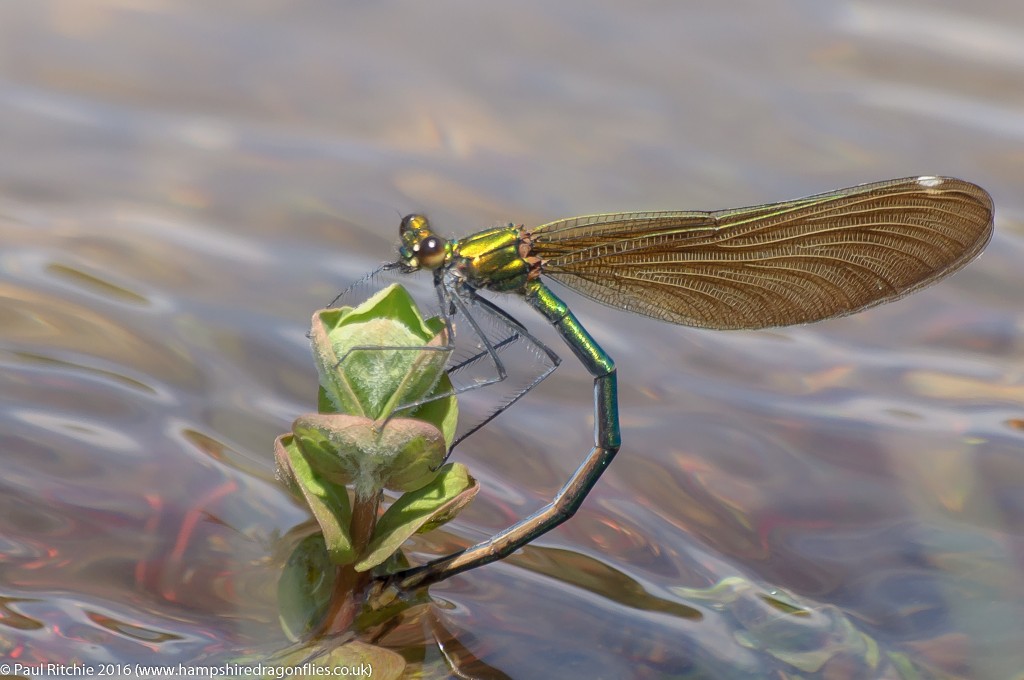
{"x": 431, "y": 252}
{"x": 413, "y": 223}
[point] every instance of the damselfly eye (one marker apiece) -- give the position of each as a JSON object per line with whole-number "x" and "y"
{"x": 413, "y": 223}
{"x": 431, "y": 252}
{"x": 420, "y": 248}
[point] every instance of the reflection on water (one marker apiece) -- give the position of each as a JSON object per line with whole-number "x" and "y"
{"x": 182, "y": 184}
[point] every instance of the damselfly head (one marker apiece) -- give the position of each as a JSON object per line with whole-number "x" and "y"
{"x": 421, "y": 248}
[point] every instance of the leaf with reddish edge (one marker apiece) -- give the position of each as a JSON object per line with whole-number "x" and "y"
{"x": 328, "y": 501}
{"x": 402, "y": 455}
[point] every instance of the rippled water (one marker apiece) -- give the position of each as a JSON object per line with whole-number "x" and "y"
{"x": 182, "y": 184}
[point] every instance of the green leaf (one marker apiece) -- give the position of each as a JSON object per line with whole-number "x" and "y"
{"x": 305, "y": 586}
{"x": 393, "y": 302}
{"x": 324, "y": 403}
{"x": 322, "y": 453}
{"x": 328, "y": 500}
{"x": 384, "y": 377}
{"x": 401, "y": 456}
{"x": 381, "y": 376}
{"x": 443, "y": 413}
{"x": 430, "y": 505}
{"x": 333, "y": 383}
{"x": 284, "y": 472}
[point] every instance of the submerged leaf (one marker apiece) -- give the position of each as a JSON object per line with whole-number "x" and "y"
{"x": 326, "y": 658}
{"x": 305, "y": 587}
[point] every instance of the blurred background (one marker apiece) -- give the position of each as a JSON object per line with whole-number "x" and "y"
{"x": 183, "y": 183}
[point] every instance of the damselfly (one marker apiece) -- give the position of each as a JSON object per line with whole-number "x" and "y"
{"x": 769, "y": 265}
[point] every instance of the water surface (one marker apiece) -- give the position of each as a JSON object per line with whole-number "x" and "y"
{"x": 182, "y": 184}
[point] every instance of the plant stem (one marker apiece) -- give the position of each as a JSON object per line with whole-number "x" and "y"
{"x": 342, "y": 610}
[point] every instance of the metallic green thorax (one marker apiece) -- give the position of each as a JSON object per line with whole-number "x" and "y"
{"x": 496, "y": 259}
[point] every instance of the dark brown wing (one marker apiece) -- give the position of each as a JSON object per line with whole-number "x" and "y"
{"x": 777, "y": 264}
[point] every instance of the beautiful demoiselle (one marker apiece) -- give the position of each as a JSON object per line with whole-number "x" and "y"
{"x": 777, "y": 264}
